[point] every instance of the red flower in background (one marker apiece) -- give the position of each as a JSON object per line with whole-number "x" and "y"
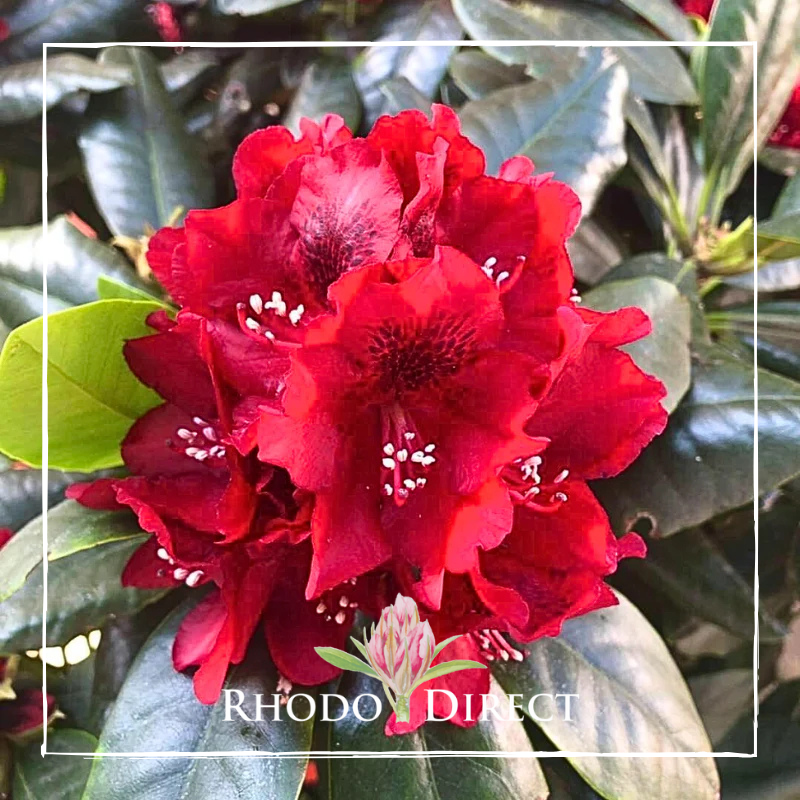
{"x": 787, "y": 132}
{"x": 697, "y": 8}
{"x": 380, "y": 381}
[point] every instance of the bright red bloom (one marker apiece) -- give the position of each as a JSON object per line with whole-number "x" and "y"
{"x": 5, "y": 31}
{"x": 380, "y": 381}
{"x": 787, "y": 132}
{"x": 697, "y": 8}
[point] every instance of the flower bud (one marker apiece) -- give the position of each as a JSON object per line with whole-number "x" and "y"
{"x": 401, "y": 648}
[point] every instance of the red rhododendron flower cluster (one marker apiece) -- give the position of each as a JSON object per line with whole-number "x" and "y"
{"x": 380, "y": 380}
{"x": 787, "y": 132}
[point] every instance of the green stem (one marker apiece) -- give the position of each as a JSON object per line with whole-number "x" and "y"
{"x": 389, "y": 696}
{"x": 402, "y": 709}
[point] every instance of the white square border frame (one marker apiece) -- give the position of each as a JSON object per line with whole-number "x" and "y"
{"x": 396, "y": 753}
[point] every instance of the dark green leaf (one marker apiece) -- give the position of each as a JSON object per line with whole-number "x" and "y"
{"x": 666, "y": 16}
{"x": 656, "y": 73}
{"x": 691, "y": 570}
{"x": 421, "y": 778}
{"x": 83, "y": 590}
{"x": 93, "y": 397}
{"x": 154, "y": 692}
{"x": 530, "y": 119}
{"x": 74, "y": 264}
{"x": 721, "y": 698}
{"x": 703, "y": 463}
{"x": 726, "y": 85}
{"x": 141, "y": 164}
{"x": 67, "y": 75}
{"x": 55, "y": 777}
{"x": 32, "y": 23}
{"x": 184, "y": 73}
{"x": 422, "y": 65}
{"x": 781, "y": 159}
{"x": 664, "y": 353}
{"x": 478, "y": 74}
{"x": 71, "y": 528}
{"x": 630, "y": 698}
{"x": 327, "y": 87}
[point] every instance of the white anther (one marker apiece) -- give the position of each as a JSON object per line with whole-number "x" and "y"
{"x": 210, "y": 434}
{"x": 184, "y": 433}
{"x": 193, "y": 578}
{"x": 270, "y": 335}
{"x": 490, "y": 262}
{"x": 162, "y": 554}
{"x": 252, "y": 324}
{"x": 388, "y": 489}
{"x": 429, "y": 448}
{"x": 388, "y": 448}
{"x": 199, "y": 421}
{"x": 418, "y": 456}
{"x": 561, "y": 476}
{"x": 410, "y": 484}
{"x": 296, "y": 314}
{"x": 180, "y": 573}
{"x": 221, "y": 452}
{"x": 353, "y": 605}
{"x": 501, "y": 277}
{"x": 421, "y": 482}
{"x": 560, "y": 496}
{"x": 402, "y": 455}
{"x": 343, "y": 601}
{"x": 201, "y": 455}
{"x": 321, "y": 608}
{"x": 409, "y": 435}
{"x": 256, "y": 303}
{"x": 427, "y": 461}
{"x": 192, "y": 451}
{"x": 341, "y": 617}
{"x": 401, "y": 492}
{"x": 389, "y": 463}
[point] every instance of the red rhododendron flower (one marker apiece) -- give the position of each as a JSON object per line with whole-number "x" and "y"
{"x": 697, "y": 8}
{"x": 380, "y": 381}
{"x": 787, "y": 132}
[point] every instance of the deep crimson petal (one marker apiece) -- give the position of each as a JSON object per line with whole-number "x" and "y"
{"x": 199, "y": 632}
{"x": 23, "y": 715}
{"x": 600, "y": 413}
{"x": 162, "y": 252}
{"x": 145, "y": 570}
{"x": 98, "y": 494}
{"x": 5, "y": 537}
{"x": 346, "y": 214}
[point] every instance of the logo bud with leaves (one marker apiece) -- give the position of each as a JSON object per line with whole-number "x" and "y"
{"x": 399, "y": 653}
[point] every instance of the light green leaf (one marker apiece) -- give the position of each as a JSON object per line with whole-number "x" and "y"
{"x": 448, "y": 667}
{"x": 93, "y": 397}
{"x": 530, "y": 119}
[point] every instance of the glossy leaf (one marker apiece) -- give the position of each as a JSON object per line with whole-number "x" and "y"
{"x": 656, "y": 73}
{"x": 785, "y": 160}
{"x": 93, "y": 397}
{"x": 110, "y": 289}
{"x": 666, "y": 16}
{"x": 343, "y": 660}
{"x": 530, "y": 119}
{"x": 67, "y": 74}
{"x": 401, "y": 95}
{"x": 421, "y": 778}
{"x": 630, "y": 698}
{"x": 154, "y": 692}
{"x": 83, "y": 590}
{"x": 726, "y": 85}
{"x": 32, "y": 23}
{"x": 74, "y": 264}
{"x": 702, "y": 464}
{"x": 141, "y": 180}
{"x": 422, "y": 65}
{"x": 664, "y": 353}
{"x": 327, "y": 87}
{"x": 71, "y": 528}
{"x": 722, "y": 697}
{"x": 477, "y": 74}
{"x": 55, "y": 777}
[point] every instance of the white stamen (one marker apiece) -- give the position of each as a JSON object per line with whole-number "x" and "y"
{"x": 199, "y": 421}
{"x": 194, "y": 578}
{"x": 501, "y": 277}
{"x": 402, "y": 455}
{"x": 490, "y": 262}
{"x": 409, "y": 435}
{"x": 201, "y": 455}
{"x": 270, "y": 335}
{"x": 389, "y": 463}
{"x": 321, "y": 608}
{"x": 162, "y": 554}
{"x": 340, "y": 617}
{"x": 210, "y": 434}
{"x": 421, "y": 482}
{"x": 252, "y": 324}
{"x": 429, "y": 448}
{"x": 388, "y": 489}
{"x": 343, "y": 601}
{"x": 296, "y": 314}
{"x": 402, "y": 492}
{"x": 192, "y": 451}
{"x": 418, "y": 456}
{"x": 388, "y": 448}
{"x": 427, "y": 461}
{"x": 221, "y": 452}
{"x": 180, "y": 573}
{"x": 184, "y": 433}
{"x": 410, "y": 484}
{"x": 561, "y": 476}
{"x": 560, "y": 496}
{"x": 256, "y": 303}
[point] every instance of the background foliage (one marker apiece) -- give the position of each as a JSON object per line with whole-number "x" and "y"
{"x": 657, "y": 142}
